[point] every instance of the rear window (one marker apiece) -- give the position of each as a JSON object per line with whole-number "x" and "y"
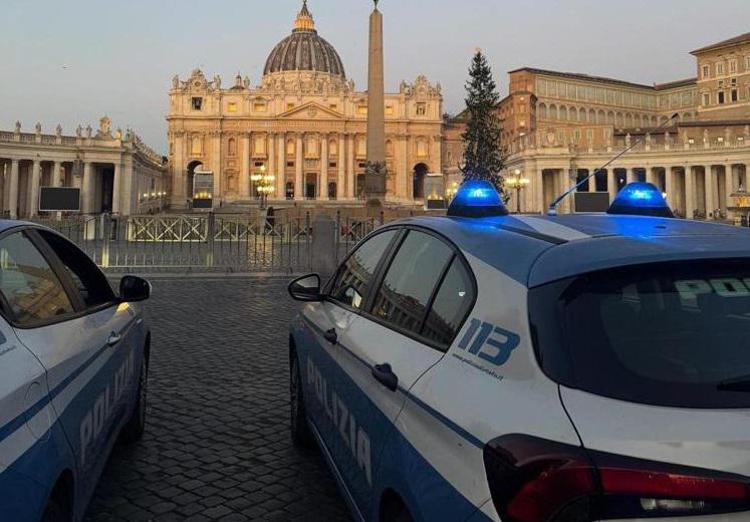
{"x": 669, "y": 334}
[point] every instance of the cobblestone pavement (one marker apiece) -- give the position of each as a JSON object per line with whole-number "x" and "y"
{"x": 217, "y": 444}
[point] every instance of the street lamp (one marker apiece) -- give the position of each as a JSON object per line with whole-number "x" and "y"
{"x": 263, "y": 185}
{"x": 517, "y": 182}
{"x": 450, "y": 192}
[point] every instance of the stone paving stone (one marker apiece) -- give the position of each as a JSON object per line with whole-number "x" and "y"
{"x": 216, "y": 445}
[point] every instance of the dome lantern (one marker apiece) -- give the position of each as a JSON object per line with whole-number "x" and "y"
{"x": 304, "y": 21}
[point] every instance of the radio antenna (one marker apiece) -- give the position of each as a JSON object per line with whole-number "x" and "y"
{"x": 552, "y": 211}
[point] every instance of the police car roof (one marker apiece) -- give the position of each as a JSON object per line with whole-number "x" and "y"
{"x": 535, "y": 250}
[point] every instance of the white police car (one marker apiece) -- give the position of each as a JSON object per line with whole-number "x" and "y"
{"x": 73, "y": 364}
{"x": 532, "y": 369}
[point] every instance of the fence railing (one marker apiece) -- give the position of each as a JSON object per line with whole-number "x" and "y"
{"x": 207, "y": 242}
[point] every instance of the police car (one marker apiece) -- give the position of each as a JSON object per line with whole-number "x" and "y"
{"x": 570, "y": 368}
{"x": 73, "y": 366}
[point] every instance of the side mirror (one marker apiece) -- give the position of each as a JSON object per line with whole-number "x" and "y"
{"x": 306, "y": 289}
{"x": 134, "y": 289}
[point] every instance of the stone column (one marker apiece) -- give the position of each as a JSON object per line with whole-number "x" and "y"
{"x": 539, "y": 191}
{"x": 730, "y": 183}
{"x": 281, "y": 169}
{"x": 710, "y": 186}
{"x": 299, "y": 190}
{"x": 244, "y": 178}
{"x": 402, "y": 177}
{"x": 117, "y": 188}
{"x": 178, "y": 195}
{"x": 55, "y": 174}
{"x": 651, "y": 176}
{"x": 216, "y": 167}
{"x": 350, "y": 175}
{"x": 341, "y": 163}
{"x": 611, "y": 184}
{"x": 672, "y": 198}
{"x": 630, "y": 176}
{"x": 323, "y": 190}
{"x": 36, "y": 174}
{"x": 689, "y": 192}
{"x": 13, "y": 190}
{"x": 87, "y": 194}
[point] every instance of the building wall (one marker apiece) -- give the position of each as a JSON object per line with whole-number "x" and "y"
{"x": 724, "y": 81}
{"x": 560, "y": 127}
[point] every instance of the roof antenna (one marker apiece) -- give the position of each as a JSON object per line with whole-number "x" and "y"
{"x": 552, "y": 210}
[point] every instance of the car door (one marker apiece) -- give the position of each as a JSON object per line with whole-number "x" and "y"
{"x": 66, "y": 314}
{"x": 389, "y": 347}
{"x": 326, "y": 332}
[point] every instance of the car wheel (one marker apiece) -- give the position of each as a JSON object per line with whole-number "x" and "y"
{"x": 54, "y": 512}
{"x": 136, "y": 425}
{"x": 300, "y": 429}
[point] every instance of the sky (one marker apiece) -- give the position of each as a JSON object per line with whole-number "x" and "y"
{"x": 73, "y": 61}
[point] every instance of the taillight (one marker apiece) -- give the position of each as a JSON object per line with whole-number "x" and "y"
{"x": 536, "y": 480}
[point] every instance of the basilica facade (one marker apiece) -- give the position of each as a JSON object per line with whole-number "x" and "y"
{"x": 300, "y": 133}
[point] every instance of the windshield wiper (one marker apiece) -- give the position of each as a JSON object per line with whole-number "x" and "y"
{"x": 737, "y": 384}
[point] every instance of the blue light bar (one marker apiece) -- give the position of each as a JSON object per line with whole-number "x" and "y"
{"x": 640, "y": 199}
{"x": 477, "y": 199}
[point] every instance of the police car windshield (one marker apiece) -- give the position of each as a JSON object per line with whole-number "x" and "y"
{"x": 670, "y": 334}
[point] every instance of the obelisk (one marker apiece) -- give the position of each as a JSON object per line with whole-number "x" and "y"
{"x": 376, "y": 172}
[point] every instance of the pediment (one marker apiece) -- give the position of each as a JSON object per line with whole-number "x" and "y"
{"x": 311, "y": 111}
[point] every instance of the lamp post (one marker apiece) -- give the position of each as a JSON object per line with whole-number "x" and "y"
{"x": 516, "y": 181}
{"x": 264, "y": 185}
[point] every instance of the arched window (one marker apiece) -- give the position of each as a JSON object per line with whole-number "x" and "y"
{"x": 289, "y": 190}
{"x": 389, "y": 148}
{"x": 291, "y": 147}
{"x": 553, "y": 112}
{"x": 573, "y": 114}
{"x": 564, "y": 113}
{"x": 232, "y": 147}
{"x": 333, "y": 148}
{"x": 592, "y": 116}
{"x": 196, "y": 147}
{"x": 542, "y": 111}
{"x": 332, "y": 190}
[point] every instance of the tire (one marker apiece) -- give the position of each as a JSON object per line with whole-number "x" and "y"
{"x": 54, "y": 512}
{"x": 298, "y": 424}
{"x": 136, "y": 425}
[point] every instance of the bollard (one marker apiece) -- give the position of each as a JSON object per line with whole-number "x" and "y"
{"x": 323, "y": 245}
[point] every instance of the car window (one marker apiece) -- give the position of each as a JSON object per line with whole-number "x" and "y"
{"x": 90, "y": 282}
{"x": 354, "y": 276}
{"x": 663, "y": 334}
{"x": 28, "y": 283}
{"x": 451, "y": 305}
{"x": 411, "y": 279}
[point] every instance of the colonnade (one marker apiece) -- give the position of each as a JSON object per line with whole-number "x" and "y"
{"x": 692, "y": 190}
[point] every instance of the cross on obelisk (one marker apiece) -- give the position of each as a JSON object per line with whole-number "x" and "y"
{"x": 375, "y": 174}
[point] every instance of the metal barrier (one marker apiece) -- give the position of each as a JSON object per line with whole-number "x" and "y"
{"x": 206, "y": 242}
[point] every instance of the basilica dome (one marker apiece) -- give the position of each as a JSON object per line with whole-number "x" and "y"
{"x": 304, "y": 50}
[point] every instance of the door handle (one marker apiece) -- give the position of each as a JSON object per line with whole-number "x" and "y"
{"x": 113, "y": 339}
{"x": 331, "y": 336}
{"x": 385, "y": 376}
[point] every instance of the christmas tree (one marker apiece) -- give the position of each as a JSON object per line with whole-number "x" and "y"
{"x": 482, "y": 157}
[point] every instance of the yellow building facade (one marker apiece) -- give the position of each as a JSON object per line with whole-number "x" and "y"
{"x": 303, "y": 127}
